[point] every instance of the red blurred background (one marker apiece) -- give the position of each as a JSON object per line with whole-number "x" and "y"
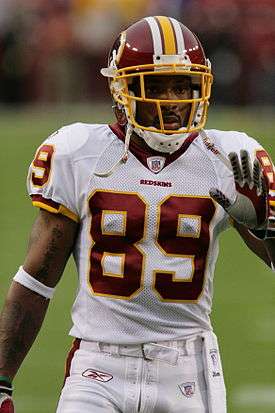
{"x": 51, "y": 51}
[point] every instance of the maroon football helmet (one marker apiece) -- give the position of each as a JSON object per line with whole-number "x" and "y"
{"x": 158, "y": 46}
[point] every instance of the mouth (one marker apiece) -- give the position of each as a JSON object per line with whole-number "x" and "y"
{"x": 170, "y": 122}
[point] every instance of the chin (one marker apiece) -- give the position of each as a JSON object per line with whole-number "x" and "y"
{"x": 172, "y": 127}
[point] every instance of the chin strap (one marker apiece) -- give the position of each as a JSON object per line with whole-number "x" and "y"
{"x": 162, "y": 142}
{"x": 123, "y": 159}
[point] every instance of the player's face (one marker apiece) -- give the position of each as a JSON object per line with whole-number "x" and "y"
{"x": 176, "y": 114}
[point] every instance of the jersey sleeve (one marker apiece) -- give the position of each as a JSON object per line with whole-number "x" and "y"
{"x": 51, "y": 180}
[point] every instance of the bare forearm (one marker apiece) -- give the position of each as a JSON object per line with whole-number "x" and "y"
{"x": 51, "y": 242}
{"x": 270, "y": 249}
{"x": 20, "y": 322}
{"x": 258, "y": 246}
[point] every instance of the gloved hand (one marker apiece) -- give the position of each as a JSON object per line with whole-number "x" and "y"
{"x": 6, "y": 403}
{"x": 250, "y": 206}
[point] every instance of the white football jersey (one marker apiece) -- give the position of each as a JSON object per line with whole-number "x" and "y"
{"x": 148, "y": 239}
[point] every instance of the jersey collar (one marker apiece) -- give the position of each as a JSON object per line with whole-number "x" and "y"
{"x": 143, "y": 153}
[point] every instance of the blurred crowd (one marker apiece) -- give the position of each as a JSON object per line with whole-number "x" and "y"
{"x": 52, "y": 50}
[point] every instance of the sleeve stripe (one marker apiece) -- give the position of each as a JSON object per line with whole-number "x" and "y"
{"x": 65, "y": 211}
{"x": 54, "y": 207}
{"x": 49, "y": 202}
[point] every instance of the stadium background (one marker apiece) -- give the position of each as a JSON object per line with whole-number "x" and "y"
{"x": 50, "y": 56}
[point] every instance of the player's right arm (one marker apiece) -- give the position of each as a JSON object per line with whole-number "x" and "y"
{"x": 51, "y": 242}
{"x": 51, "y": 185}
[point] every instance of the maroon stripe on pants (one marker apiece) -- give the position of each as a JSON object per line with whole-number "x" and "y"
{"x": 74, "y": 348}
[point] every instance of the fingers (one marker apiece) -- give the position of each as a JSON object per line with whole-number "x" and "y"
{"x": 236, "y": 168}
{"x": 246, "y": 167}
{"x": 257, "y": 173}
{"x": 259, "y": 179}
{"x": 243, "y": 172}
{"x": 220, "y": 198}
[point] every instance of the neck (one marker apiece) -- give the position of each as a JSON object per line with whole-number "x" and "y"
{"x": 139, "y": 141}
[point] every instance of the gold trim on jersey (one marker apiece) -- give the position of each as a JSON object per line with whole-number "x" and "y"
{"x": 174, "y": 276}
{"x": 43, "y": 156}
{"x": 122, "y": 262}
{"x": 37, "y": 168}
{"x": 266, "y": 162}
{"x": 175, "y": 279}
{"x": 189, "y": 279}
{"x": 190, "y": 234}
{"x": 112, "y": 212}
{"x": 270, "y": 176}
{"x": 61, "y": 210}
{"x": 168, "y": 36}
{"x": 134, "y": 244}
{"x": 210, "y": 241}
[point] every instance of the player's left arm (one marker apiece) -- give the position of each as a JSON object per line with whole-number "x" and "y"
{"x": 264, "y": 249}
{"x": 250, "y": 209}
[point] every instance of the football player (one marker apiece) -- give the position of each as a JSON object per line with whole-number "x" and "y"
{"x": 140, "y": 203}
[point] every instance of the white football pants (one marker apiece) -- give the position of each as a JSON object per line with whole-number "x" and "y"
{"x": 170, "y": 377}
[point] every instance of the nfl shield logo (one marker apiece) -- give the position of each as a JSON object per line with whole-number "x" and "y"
{"x": 156, "y": 163}
{"x": 188, "y": 388}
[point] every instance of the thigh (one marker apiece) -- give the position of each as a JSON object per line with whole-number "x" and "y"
{"x": 77, "y": 396}
{"x": 182, "y": 387}
{"x": 93, "y": 384}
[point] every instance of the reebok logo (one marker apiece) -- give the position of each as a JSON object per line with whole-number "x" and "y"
{"x": 97, "y": 375}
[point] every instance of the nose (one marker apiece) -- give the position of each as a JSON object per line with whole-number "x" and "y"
{"x": 169, "y": 94}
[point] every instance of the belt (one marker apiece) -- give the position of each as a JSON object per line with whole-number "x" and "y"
{"x": 168, "y": 351}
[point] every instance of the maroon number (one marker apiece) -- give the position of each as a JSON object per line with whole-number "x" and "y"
{"x": 42, "y": 165}
{"x": 268, "y": 169}
{"x": 118, "y": 224}
{"x": 119, "y": 242}
{"x": 193, "y": 245}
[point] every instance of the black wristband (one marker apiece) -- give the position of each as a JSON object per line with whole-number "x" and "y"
{"x": 5, "y": 385}
{"x": 267, "y": 233}
{"x": 258, "y": 233}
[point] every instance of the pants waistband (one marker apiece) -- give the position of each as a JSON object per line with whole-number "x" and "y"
{"x": 168, "y": 351}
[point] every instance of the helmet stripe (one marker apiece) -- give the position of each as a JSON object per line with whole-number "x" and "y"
{"x": 168, "y": 35}
{"x": 122, "y": 40}
{"x": 181, "y": 49}
{"x": 155, "y": 35}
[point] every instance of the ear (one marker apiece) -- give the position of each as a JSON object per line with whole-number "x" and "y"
{"x": 120, "y": 115}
